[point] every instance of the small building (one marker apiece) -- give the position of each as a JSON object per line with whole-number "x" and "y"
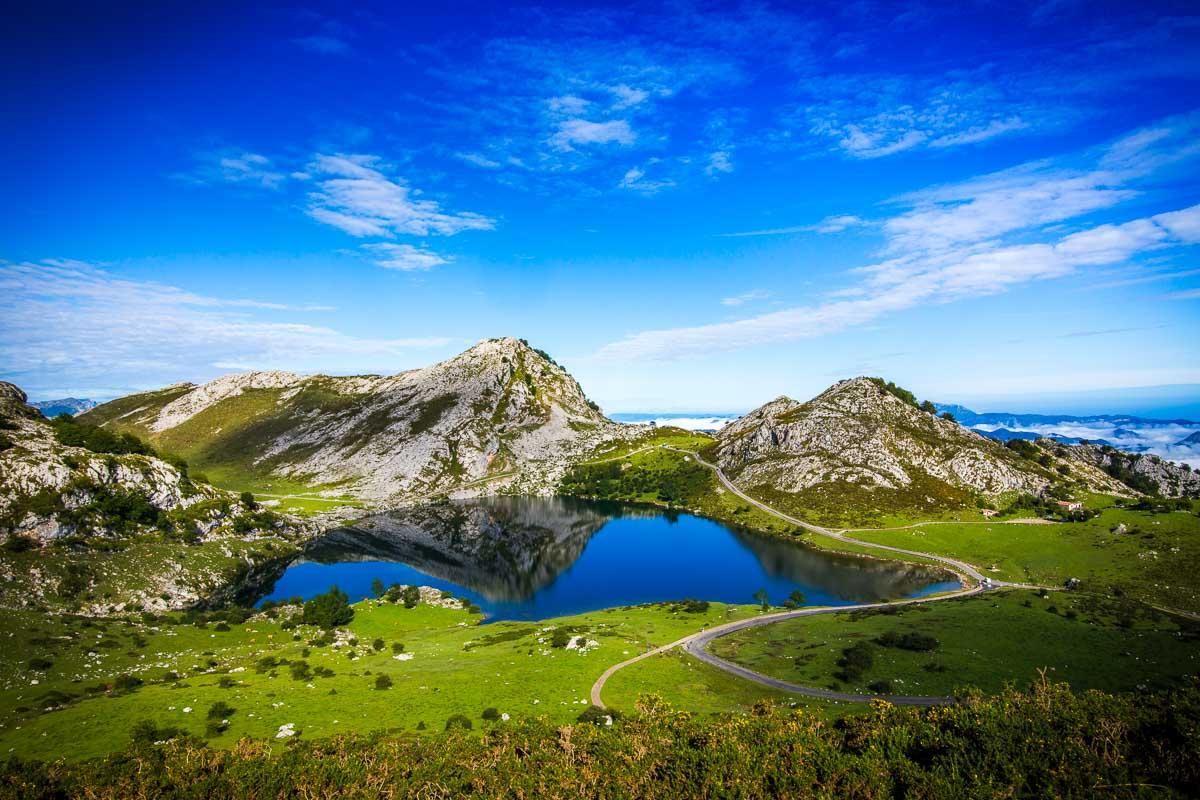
{"x": 990, "y": 512}
{"x": 1069, "y": 505}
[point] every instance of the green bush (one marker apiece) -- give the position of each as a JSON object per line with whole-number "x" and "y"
{"x": 328, "y": 610}
{"x": 458, "y": 722}
{"x": 383, "y": 682}
{"x": 490, "y": 714}
{"x": 221, "y": 710}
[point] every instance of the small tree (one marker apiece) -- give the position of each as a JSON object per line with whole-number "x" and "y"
{"x": 946, "y": 415}
{"x": 377, "y": 644}
{"x": 411, "y": 596}
{"x": 794, "y": 600}
{"x": 763, "y": 599}
{"x": 328, "y": 610}
{"x": 247, "y": 499}
{"x": 221, "y": 710}
{"x": 377, "y": 588}
{"x": 383, "y": 682}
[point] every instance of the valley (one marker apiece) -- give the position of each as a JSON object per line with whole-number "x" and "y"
{"x": 572, "y": 570}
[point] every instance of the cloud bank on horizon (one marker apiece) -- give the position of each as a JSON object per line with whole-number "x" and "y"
{"x": 966, "y": 201}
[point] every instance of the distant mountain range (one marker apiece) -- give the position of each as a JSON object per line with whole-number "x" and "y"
{"x": 1173, "y": 439}
{"x": 67, "y": 405}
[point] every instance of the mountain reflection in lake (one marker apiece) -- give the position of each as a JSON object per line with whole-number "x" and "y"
{"x": 539, "y": 557}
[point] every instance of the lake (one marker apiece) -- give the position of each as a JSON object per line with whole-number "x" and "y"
{"x": 531, "y": 558}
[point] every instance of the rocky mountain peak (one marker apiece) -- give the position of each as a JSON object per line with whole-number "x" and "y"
{"x": 11, "y": 393}
{"x": 500, "y": 410}
{"x": 861, "y": 437}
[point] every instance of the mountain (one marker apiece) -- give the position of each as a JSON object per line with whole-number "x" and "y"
{"x": 1190, "y": 441}
{"x": 95, "y": 521}
{"x": 67, "y": 405}
{"x": 1010, "y": 420}
{"x": 1005, "y": 435}
{"x": 1148, "y": 474}
{"x": 499, "y": 416}
{"x": 861, "y": 447}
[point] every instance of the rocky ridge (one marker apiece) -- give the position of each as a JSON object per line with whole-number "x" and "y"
{"x": 499, "y": 417}
{"x": 65, "y": 508}
{"x": 859, "y": 438}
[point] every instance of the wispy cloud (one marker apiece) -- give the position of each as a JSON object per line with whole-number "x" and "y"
{"x": 236, "y": 166}
{"x": 834, "y": 224}
{"x": 60, "y": 317}
{"x": 404, "y": 257}
{"x": 719, "y": 161}
{"x": 635, "y": 179}
{"x": 950, "y": 244}
{"x": 575, "y": 131}
{"x": 355, "y": 195}
{"x": 745, "y": 297}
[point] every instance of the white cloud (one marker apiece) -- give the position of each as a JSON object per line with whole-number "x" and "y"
{"x": 635, "y": 180}
{"x": 236, "y": 166}
{"x": 354, "y": 194}
{"x": 838, "y": 223}
{"x": 66, "y": 317}
{"x": 627, "y": 96}
{"x": 956, "y": 242}
{"x": 745, "y": 297}
{"x": 980, "y": 133}
{"x": 405, "y": 257}
{"x": 578, "y": 131}
{"x": 935, "y": 281}
{"x": 719, "y": 161}
{"x": 479, "y": 160}
{"x": 834, "y": 224}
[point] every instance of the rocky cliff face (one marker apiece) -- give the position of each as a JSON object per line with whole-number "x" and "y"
{"x": 499, "y": 416}
{"x": 1139, "y": 472}
{"x": 858, "y": 433}
{"x": 109, "y": 532}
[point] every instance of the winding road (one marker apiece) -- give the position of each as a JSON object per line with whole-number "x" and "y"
{"x": 696, "y": 644}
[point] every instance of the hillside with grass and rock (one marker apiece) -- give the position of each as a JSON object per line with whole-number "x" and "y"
{"x": 500, "y": 416}
{"x": 98, "y": 521}
{"x": 866, "y": 446}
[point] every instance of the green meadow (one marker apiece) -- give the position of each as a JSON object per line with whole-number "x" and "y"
{"x": 981, "y": 642}
{"x": 90, "y": 682}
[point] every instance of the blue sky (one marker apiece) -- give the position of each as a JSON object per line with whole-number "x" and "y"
{"x": 694, "y": 208}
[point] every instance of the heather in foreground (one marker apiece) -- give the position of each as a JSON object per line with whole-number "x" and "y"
{"x": 1046, "y": 742}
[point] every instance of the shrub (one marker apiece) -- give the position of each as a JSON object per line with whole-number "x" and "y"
{"x": 126, "y": 683}
{"x": 145, "y": 732}
{"x": 459, "y": 722}
{"x": 911, "y": 640}
{"x": 490, "y": 714}
{"x": 247, "y": 499}
{"x": 560, "y": 638}
{"x": 301, "y": 671}
{"x": 411, "y": 596}
{"x": 40, "y": 664}
{"x": 880, "y": 687}
{"x": 328, "y": 610}
{"x": 397, "y": 648}
{"x": 221, "y": 710}
{"x": 383, "y": 682}
{"x": 378, "y": 645}
{"x": 855, "y": 662}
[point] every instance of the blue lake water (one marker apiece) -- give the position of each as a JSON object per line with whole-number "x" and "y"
{"x": 531, "y": 558}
